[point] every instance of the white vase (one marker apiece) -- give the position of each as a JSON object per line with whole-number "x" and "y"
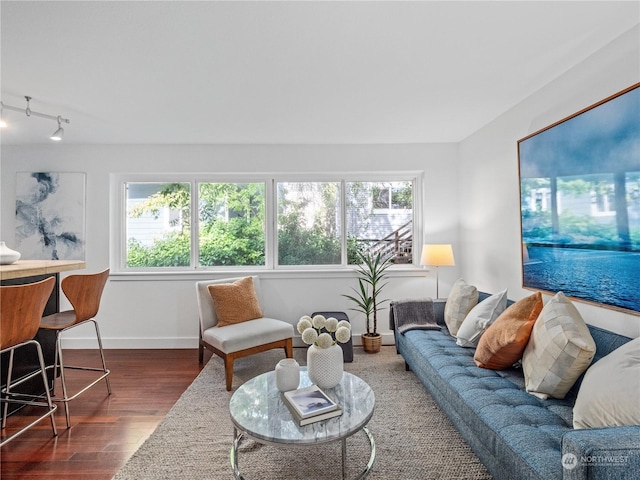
{"x": 8, "y": 256}
{"x": 287, "y": 375}
{"x": 325, "y": 365}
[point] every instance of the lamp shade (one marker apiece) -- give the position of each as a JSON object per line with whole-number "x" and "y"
{"x": 440, "y": 255}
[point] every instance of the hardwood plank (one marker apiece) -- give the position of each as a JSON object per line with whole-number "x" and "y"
{"x": 105, "y": 430}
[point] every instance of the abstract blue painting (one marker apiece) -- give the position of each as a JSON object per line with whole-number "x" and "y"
{"x": 580, "y": 204}
{"x": 50, "y": 215}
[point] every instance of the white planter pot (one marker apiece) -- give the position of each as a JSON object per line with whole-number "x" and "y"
{"x": 8, "y": 256}
{"x": 325, "y": 365}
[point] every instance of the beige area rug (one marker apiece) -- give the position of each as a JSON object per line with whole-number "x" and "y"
{"x": 414, "y": 439}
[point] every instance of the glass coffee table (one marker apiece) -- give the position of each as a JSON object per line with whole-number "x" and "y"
{"x": 258, "y": 412}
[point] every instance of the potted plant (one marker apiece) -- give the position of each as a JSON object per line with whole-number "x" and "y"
{"x": 371, "y": 279}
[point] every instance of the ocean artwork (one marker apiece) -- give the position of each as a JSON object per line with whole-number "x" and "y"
{"x": 580, "y": 204}
{"x": 50, "y": 215}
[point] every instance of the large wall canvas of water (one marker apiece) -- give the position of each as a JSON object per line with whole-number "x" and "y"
{"x": 50, "y": 215}
{"x": 580, "y": 204}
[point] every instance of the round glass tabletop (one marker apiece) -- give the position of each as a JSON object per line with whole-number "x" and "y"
{"x": 257, "y": 409}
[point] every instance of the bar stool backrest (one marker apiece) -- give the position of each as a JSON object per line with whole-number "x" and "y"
{"x": 21, "y": 308}
{"x": 84, "y": 292}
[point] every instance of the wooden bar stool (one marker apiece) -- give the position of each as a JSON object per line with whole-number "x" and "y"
{"x": 84, "y": 292}
{"x": 21, "y": 308}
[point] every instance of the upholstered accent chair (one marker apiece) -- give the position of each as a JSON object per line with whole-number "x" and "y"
{"x": 239, "y": 339}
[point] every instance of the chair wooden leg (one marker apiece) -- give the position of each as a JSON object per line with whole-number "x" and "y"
{"x": 200, "y": 352}
{"x": 228, "y": 371}
{"x": 288, "y": 348}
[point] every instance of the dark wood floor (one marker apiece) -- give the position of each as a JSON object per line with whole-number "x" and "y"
{"x": 105, "y": 430}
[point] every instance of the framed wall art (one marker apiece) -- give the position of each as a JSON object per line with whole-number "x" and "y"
{"x": 580, "y": 204}
{"x": 50, "y": 215}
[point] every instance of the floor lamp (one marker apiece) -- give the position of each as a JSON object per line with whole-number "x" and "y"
{"x": 437, "y": 256}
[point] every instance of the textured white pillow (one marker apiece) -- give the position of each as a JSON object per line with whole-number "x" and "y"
{"x": 462, "y": 298}
{"x": 608, "y": 396}
{"x": 559, "y": 350}
{"x": 479, "y": 319}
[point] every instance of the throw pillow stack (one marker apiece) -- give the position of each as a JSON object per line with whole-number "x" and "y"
{"x": 552, "y": 341}
{"x": 555, "y": 347}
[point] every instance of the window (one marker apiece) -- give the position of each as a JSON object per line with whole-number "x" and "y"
{"x": 263, "y": 223}
{"x": 157, "y": 225}
{"x": 380, "y": 219}
{"x": 231, "y": 222}
{"x": 309, "y": 223}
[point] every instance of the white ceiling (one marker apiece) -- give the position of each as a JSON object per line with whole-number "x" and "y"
{"x": 184, "y": 72}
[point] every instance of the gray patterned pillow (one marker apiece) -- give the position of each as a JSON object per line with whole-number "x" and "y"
{"x": 559, "y": 351}
{"x": 462, "y": 298}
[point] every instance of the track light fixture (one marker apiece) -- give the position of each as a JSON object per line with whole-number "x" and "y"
{"x": 56, "y": 136}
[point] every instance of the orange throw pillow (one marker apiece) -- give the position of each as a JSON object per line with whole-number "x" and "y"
{"x": 235, "y": 302}
{"x": 503, "y": 343}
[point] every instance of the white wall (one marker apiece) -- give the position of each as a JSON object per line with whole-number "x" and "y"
{"x": 489, "y": 194}
{"x": 470, "y": 194}
{"x": 160, "y": 311}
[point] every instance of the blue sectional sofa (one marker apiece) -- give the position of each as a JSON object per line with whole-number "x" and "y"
{"x": 515, "y": 434}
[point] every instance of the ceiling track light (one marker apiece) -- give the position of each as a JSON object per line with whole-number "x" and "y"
{"x": 56, "y": 136}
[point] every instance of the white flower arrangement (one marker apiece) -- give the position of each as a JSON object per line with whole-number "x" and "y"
{"x": 312, "y": 334}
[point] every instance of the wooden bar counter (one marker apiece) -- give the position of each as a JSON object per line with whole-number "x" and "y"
{"x": 25, "y": 360}
{"x": 30, "y": 268}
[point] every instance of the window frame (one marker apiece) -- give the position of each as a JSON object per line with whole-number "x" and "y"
{"x": 118, "y": 215}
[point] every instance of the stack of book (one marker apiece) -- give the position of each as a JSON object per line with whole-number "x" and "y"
{"x": 310, "y": 404}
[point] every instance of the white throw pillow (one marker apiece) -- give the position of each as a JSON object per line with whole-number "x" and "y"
{"x": 560, "y": 349}
{"x": 479, "y": 319}
{"x": 462, "y": 298}
{"x": 608, "y": 396}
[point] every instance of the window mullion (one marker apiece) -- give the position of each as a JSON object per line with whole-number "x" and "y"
{"x": 343, "y": 221}
{"x": 271, "y": 216}
{"x": 195, "y": 225}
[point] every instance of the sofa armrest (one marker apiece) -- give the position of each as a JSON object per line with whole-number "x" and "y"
{"x": 601, "y": 453}
{"x": 438, "y": 311}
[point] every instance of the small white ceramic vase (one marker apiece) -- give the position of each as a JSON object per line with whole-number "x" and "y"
{"x": 287, "y": 375}
{"x": 8, "y": 256}
{"x": 325, "y": 365}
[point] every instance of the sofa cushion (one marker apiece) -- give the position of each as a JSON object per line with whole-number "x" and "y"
{"x": 462, "y": 298}
{"x": 608, "y": 395}
{"x": 559, "y": 351}
{"x": 503, "y": 342}
{"x": 235, "y": 302}
{"x": 491, "y": 412}
{"x": 479, "y": 319}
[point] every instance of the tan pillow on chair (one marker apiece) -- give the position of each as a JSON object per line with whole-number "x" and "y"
{"x": 235, "y": 302}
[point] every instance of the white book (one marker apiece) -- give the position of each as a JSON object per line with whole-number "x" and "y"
{"x": 316, "y": 418}
{"x": 309, "y": 401}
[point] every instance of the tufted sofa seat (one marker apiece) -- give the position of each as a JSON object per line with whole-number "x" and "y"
{"x": 515, "y": 434}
